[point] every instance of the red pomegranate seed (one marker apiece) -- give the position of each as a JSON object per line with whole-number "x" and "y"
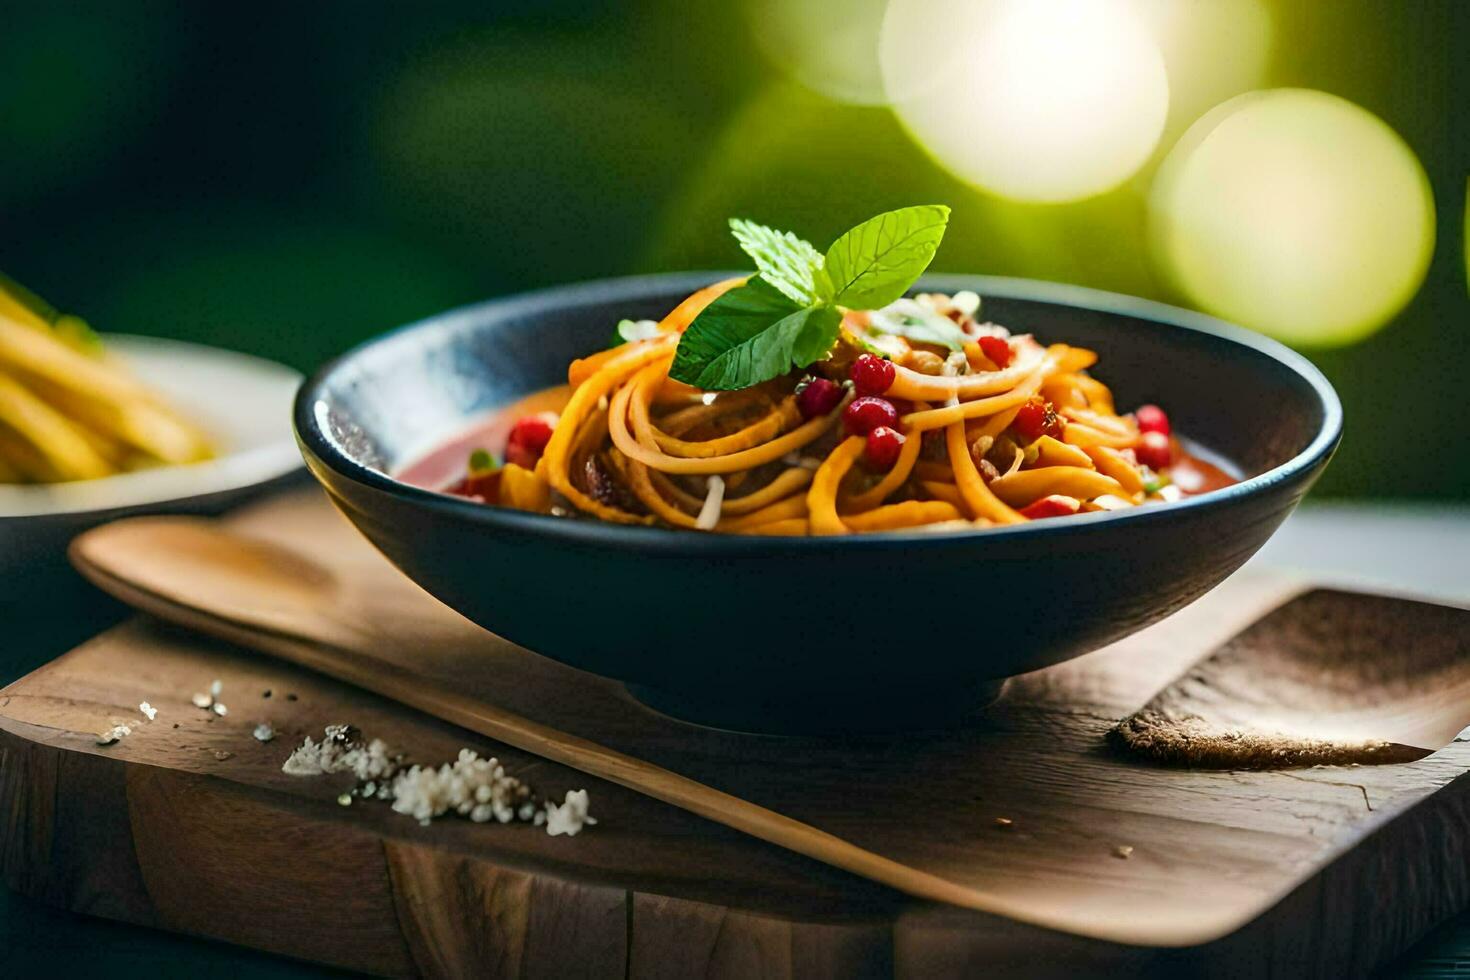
{"x": 1055, "y": 505}
{"x": 817, "y": 396}
{"x": 522, "y": 456}
{"x": 865, "y": 414}
{"x": 884, "y": 445}
{"x": 528, "y": 439}
{"x": 533, "y": 431}
{"x": 1154, "y": 450}
{"x": 998, "y": 349}
{"x": 1152, "y": 418}
{"x": 872, "y": 375}
{"x": 1038, "y": 418}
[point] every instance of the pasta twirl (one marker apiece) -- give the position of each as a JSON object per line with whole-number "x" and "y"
{"x": 954, "y": 424}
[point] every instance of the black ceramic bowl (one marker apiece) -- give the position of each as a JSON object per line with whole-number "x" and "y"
{"x": 890, "y": 631}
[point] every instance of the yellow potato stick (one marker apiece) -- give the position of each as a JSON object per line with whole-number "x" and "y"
{"x": 1026, "y": 486}
{"x": 66, "y": 450}
{"x": 45, "y": 356}
{"x": 25, "y": 459}
{"x": 142, "y": 424}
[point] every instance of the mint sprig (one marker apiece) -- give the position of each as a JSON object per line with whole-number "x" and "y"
{"x": 790, "y": 312}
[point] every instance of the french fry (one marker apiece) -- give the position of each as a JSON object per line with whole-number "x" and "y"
{"x": 68, "y": 412}
{"x": 144, "y": 425}
{"x": 64, "y": 449}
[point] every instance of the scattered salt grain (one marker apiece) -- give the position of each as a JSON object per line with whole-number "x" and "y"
{"x": 222, "y": 755}
{"x": 148, "y": 710}
{"x": 215, "y": 687}
{"x": 113, "y": 734}
{"x": 1123, "y": 852}
{"x": 264, "y": 732}
{"x": 345, "y": 799}
{"x": 202, "y": 700}
{"x": 220, "y": 709}
{"x": 1005, "y": 823}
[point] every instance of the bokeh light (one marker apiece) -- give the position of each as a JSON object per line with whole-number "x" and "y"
{"x": 835, "y": 56}
{"x": 1034, "y": 100}
{"x": 1212, "y": 50}
{"x": 1297, "y": 213}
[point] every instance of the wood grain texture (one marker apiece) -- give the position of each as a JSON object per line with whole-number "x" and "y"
{"x": 1285, "y": 870}
{"x": 232, "y": 849}
{"x": 1331, "y": 678}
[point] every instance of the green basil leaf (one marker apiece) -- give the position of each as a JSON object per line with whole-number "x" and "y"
{"x": 818, "y": 334}
{"x": 915, "y": 321}
{"x": 747, "y": 335}
{"x": 789, "y": 263}
{"x": 873, "y": 264}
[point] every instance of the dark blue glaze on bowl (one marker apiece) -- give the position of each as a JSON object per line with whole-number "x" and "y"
{"x": 890, "y": 631}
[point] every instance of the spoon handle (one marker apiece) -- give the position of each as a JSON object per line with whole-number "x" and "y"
{"x": 198, "y": 574}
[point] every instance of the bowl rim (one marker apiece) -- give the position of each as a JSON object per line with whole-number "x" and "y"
{"x": 672, "y": 541}
{"x": 160, "y": 486}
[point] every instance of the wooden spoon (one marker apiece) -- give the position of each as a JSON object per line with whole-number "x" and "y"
{"x": 199, "y": 574}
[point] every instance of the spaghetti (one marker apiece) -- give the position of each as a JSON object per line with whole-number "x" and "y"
{"x": 888, "y": 432}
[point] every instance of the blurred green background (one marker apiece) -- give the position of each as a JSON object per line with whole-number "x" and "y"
{"x": 289, "y": 179}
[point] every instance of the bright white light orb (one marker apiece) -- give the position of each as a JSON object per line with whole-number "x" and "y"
{"x": 1296, "y": 213}
{"x": 1213, "y": 50}
{"x": 1033, "y": 100}
{"x": 831, "y": 48}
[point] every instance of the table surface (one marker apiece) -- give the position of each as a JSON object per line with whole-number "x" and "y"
{"x": 1391, "y": 548}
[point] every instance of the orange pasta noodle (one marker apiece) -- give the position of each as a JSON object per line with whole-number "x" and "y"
{"x": 977, "y": 496}
{"x": 789, "y": 508}
{"x": 1085, "y": 436}
{"x": 626, "y": 406}
{"x": 909, "y": 513}
{"x": 938, "y": 418}
{"x": 1025, "y": 486}
{"x": 795, "y": 527}
{"x": 555, "y": 461}
{"x": 821, "y": 497}
{"x": 774, "y": 422}
{"x": 892, "y": 480}
{"x": 908, "y": 383}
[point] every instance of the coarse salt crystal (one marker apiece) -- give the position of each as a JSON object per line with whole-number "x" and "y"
{"x": 264, "y": 732}
{"x": 202, "y": 700}
{"x": 113, "y": 734}
{"x": 571, "y": 816}
{"x": 148, "y": 710}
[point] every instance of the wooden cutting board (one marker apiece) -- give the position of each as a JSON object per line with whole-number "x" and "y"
{"x": 1322, "y": 870}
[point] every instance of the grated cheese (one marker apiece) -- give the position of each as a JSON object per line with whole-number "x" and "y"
{"x": 714, "y": 499}
{"x": 473, "y": 787}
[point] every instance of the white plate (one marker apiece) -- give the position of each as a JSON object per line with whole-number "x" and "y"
{"x": 242, "y": 402}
